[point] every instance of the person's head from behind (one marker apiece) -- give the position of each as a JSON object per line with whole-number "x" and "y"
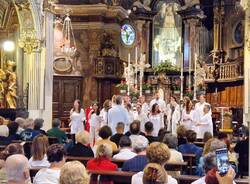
{"x": 181, "y": 131}
{"x": 207, "y": 136}
{"x": 149, "y": 127}
{"x": 154, "y": 174}
{"x": 206, "y": 108}
{"x": 13, "y": 127}
{"x": 120, "y": 128}
{"x": 20, "y": 121}
{"x": 56, "y": 123}
{"x": 118, "y": 100}
{"x": 105, "y": 132}
{"x": 39, "y": 147}
{"x": 209, "y": 162}
{"x": 17, "y": 169}
{"x": 222, "y": 136}
{"x": 158, "y": 152}
{"x": 56, "y": 154}
{"x": 104, "y": 150}
{"x": 74, "y": 173}
{"x": 29, "y": 123}
{"x": 217, "y": 144}
{"x": 171, "y": 141}
{"x": 207, "y": 146}
{"x": 82, "y": 137}
{"x": 139, "y": 143}
{"x": 134, "y": 127}
{"x": 11, "y": 149}
{"x": 38, "y": 123}
{"x": 191, "y": 136}
{"x": 162, "y": 132}
{"x": 125, "y": 142}
{"x": 4, "y": 131}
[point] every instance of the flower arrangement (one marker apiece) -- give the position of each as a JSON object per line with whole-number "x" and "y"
{"x": 166, "y": 67}
{"x": 123, "y": 85}
{"x": 146, "y": 86}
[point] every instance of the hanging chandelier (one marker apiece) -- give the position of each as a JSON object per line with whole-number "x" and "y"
{"x": 68, "y": 47}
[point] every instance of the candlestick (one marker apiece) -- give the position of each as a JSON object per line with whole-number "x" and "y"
{"x": 195, "y": 85}
{"x": 128, "y": 73}
{"x": 136, "y": 67}
{"x": 182, "y": 78}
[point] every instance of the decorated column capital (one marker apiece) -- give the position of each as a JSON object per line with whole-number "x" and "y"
{"x": 29, "y": 42}
{"x": 245, "y": 4}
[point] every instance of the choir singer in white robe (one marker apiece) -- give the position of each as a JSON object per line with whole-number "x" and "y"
{"x": 159, "y": 101}
{"x": 141, "y": 116}
{"x": 205, "y": 124}
{"x": 173, "y": 115}
{"x": 118, "y": 114}
{"x": 199, "y": 108}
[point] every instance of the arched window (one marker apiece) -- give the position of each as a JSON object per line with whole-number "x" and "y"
{"x": 167, "y": 33}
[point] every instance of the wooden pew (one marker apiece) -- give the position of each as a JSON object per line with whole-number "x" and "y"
{"x": 191, "y": 160}
{"x": 200, "y": 144}
{"x": 169, "y": 166}
{"x": 188, "y": 179}
{"x": 118, "y": 177}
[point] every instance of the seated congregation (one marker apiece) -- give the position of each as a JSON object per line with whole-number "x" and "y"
{"x": 31, "y": 155}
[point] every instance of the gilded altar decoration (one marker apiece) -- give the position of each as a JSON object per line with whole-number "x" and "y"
{"x": 107, "y": 46}
{"x": 28, "y": 41}
{"x": 8, "y": 86}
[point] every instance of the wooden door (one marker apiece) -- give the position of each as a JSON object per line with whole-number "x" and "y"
{"x": 65, "y": 91}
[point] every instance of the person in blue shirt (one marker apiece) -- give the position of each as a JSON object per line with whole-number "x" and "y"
{"x": 29, "y": 133}
{"x": 190, "y": 147}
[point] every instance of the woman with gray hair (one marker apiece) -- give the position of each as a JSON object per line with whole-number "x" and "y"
{"x": 4, "y": 133}
{"x": 172, "y": 142}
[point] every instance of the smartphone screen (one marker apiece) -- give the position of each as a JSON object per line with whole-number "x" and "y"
{"x": 222, "y": 161}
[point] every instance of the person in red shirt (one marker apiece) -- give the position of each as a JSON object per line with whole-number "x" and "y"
{"x": 102, "y": 162}
{"x": 103, "y": 159}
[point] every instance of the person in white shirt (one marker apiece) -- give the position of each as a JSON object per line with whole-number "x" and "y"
{"x": 158, "y": 155}
{"x": 125, "y": 152}
{"x": 145, "y": 106}
{"x": 159, "y": 101}
{"x": 38, "y": 149}
{"x": 140, "y": 116}
{"x": 199, "y": 108}
{"x": 188, "y": 115}
{"x": 173, "y": 115}
{"x": 95, "y": 121}
{"x": 104, "y": 112}
{"x": 17, "y": 169}
{"x": 130, "y": 113}
{"x": 56, "y": 158}
{"x": 205, "y": 124}
{"x": 156, "y": 117}
{"x": 118, "y": 114}
{"x": 77, "y": 117}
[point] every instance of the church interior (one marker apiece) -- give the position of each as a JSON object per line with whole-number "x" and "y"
{"x": 77, "y": 76}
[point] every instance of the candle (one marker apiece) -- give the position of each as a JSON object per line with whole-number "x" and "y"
{"x": 128, "y": 73}
{"x": 182, "y": 76}
{"x": 136, "y": 67}
{"x": 195, "y": 63}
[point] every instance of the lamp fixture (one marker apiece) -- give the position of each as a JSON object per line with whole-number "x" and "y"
{"x": 8, "y": 46}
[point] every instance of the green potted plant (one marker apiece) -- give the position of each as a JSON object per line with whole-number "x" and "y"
{"x": 123, "y": 87}
{"x": 147, "y": 88}
{"x": 176, "y": 89}
{"x": 166, "y": 68}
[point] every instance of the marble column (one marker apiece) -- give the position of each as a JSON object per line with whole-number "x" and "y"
{"x": 246, "y": 118}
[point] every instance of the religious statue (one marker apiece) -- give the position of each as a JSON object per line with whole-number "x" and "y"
{"x": 11, "y": 82}
{"x": 2, "y": 78}
{"x": 107, "y": 45}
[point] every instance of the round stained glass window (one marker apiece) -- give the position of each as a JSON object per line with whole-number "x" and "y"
{"x": 128, "y": 34}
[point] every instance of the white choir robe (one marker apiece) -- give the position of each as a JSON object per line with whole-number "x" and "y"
{"x": 158, "y": 123}
{"x": 145, "y": 108}
{"x": 160, "y": 102}
{"x": 95, "y": 124}
{"x": 175, "y": 119}
{"x": 104, "y": 115}
{"x": 130, "y": 117}
{"x": 143, "y": 118}
{"x": 188, "y": 119}
{"x": 118, "y": 114}
{"x": 206, "y": 125}
{"x": 199, "y": 110}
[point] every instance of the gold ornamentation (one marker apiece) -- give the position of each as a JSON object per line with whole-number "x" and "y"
{"x": 28, "y": 41}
